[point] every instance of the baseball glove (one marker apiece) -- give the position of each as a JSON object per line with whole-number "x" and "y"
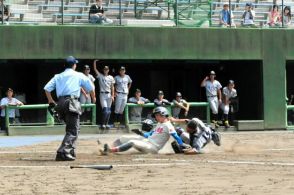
{"x": 138, "y": 132}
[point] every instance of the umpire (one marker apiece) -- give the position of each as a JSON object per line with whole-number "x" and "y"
{"x": 68, "y": 87}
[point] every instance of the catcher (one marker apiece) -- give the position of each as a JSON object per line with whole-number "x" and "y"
{"x": 152, "y": 141}
{"x": 197, "y": 136}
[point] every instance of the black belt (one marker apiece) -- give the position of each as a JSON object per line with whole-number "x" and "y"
{"x": 212, "y": 96}
{"x": 68, "y": 96}
{"x": 121, "y": 92}
{"x": 104, "y": 92}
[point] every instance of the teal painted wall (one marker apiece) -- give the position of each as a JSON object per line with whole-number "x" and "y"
{"x": 272, "y": 46}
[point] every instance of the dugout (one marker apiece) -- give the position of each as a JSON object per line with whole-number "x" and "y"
{"x": 171, "y": 76}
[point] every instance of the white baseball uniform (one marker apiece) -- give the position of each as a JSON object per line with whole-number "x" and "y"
{"x": 136, "y": 112}
{"x": 105, "y": 83}
{"x": 211, "y": 94}
{"x": 122, "y": 91}
{"x": 227, "y": 93}
{"x": 177, "y": 109}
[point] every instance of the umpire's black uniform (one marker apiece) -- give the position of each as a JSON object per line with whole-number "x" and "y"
{"x": 68, "y": 86}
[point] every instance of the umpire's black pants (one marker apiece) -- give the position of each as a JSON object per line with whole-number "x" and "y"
{"x": 72, "y": 128}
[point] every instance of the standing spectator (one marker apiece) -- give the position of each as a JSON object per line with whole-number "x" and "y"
{"x": 248, "y": 15}
{"x": 106, "y": 86}
{"x": 160, "y": 101}
{"x": 226, "y": 16}
{"x": 274, "y": 18}
{"x": 287, "y": 16}
{"x": 229, "y": 93}
{"x": 85, "y": 97}
{"x": 68, "y": 88}
{"x": 6, "y": 13}
{"x": 136, "y": 112}
{"x": 96, "y": 14}
{"x": 180, "y": 104}
{"x": 213, "y": 94}
{"x": 123, "y": 83}
{"x": 8, "y": 100}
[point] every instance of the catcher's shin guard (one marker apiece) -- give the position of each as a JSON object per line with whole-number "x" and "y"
{"x": 216, "y": 138}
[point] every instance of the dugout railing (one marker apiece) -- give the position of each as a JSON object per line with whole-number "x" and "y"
{"x": 151, "y": 105}
{"x": 49, "y": 118}
{"x": 290, "y": 112}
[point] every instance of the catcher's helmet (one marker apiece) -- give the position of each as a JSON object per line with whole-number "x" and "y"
{"x": 192, "y": 124}
{"x": 147, "y": 125}
{"x": 160, "y": 110}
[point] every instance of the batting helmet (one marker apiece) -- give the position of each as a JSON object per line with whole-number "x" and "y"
{"x": 147, "y": 125}
{"x": 160, "y": 110}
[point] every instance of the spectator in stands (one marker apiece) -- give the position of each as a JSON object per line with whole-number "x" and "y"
{"x": 96, "y": 14}
{"x": 180, "y": 104}
{"x": 226, "y": 17}
{"x": 274, "y": 18}
{"x": 287, "y": 16}
{"x": 6, "y": 13}
{"x": 136, "y": 112}
{"x": 85, "y": 97}
{"x": 248, "y": 15}
{"x": 9, "y": 100}
{"x": 160, "y": 101}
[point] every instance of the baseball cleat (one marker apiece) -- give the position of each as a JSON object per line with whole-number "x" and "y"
{"x": 227, "y": 125}
{"x": 105, "y": 150}
{"x": 216, "y": 138}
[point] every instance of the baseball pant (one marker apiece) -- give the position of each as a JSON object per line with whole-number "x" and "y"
{"x": 213, "y": 103}
{"x": 85, "y": 100}
{"x": 105, "y": 100}
{"x": 225, "y": 108}
{"x": 138, "y": 142}
{"x": 72, "y": 128}
{"x": 135, "y": 119}
{"x": 120, "y": 103}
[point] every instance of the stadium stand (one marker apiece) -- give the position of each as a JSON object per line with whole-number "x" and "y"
{"x": 134, "y": 12}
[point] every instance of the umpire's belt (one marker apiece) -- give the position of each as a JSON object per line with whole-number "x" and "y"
{"x": 104, "y": 92}
{"x": 68, "y": 96}
{"x": 211, "y": 96}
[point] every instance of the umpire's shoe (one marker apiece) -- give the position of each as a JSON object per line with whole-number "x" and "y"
{"x": 64, "y": 157}
{"x": 216, "y": 137}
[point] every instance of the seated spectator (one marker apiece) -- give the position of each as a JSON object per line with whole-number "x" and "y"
{"x": 226, "y": 17}
{"x": 180, "y": 104}
{"x": 6, "y": 11}
{"x": 160, "y": 101}
{"x": 287, "y": 16}
{"x": 248, "y": 15}
{"x": 274, "y": 18}
{"x": 96, "y": 14}
{"x": 9, "y": 100}
{"x": 136, "y": 112}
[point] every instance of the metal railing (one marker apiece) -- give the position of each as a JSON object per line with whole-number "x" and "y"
{"x": 151, "y": 105}
{"x": 289, "y": 108}
{"x": 49, "y": 118}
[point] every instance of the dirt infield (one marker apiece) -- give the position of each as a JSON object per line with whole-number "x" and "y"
{"x": 246, "y": 163}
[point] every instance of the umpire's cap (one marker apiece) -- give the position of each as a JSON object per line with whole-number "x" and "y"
{"x": 70, "y": 60}
{"x": 191, "y": 124}
{"x": 160, "y": 110}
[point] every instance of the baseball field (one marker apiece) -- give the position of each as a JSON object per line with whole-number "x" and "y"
{"x": 247, "y": 163}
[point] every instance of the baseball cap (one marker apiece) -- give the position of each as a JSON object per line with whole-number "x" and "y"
{"x": 160, "y": 93}
{"x": 138, "y": 91}
{"x": 106, "y": 68}
{"x": 122, "y": 68}
{"x": 178, "y": 94}
{"x": 249, "y": 4}
{"x": 226, "y": 3}
{"x": 212, "y": 73}
{"x": 71, "y": 60}
{"x": 231, "y": 82}
{"x": 9, "y": 89}
{"x": 86, "y": 67}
